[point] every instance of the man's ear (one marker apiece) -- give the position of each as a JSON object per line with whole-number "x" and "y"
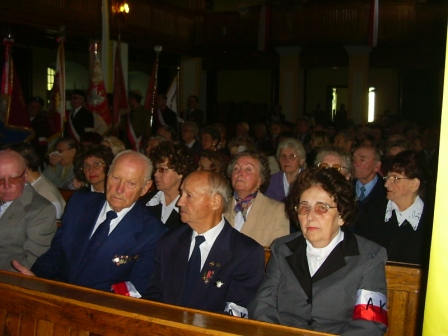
{"x": 146, "y": 188}
{"x": 216, "y": 202}
{"x": 377, "y": 166}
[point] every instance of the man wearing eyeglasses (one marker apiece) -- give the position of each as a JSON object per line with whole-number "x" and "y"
{"x": 27, "y": 220}
{"x": 106, "y": 243}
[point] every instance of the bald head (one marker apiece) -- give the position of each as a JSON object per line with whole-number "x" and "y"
{"x": 203, "y": 199}
{"x": 13, "y": 175}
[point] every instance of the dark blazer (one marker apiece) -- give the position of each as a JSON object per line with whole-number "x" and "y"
{"x": 170, "y": 118}
{"x": 82, "y": 120}
{"x": 173, "y": 222}
{"x": 236, "y": 260}
{"x": 378, "y": 192}
{"x": 402, "y": 243}
{"x": 136, "y": 236}
{"x": 324, "y": 302}
{"x": 276, "y": 189}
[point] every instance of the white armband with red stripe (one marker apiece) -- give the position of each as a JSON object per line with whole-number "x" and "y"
{"x": 126, "y": 288}
{"x": 370, "y": 306}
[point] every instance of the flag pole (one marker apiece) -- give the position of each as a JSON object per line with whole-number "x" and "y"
{"x": 157, "y": 49}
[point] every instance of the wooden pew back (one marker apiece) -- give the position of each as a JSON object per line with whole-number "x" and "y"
{"x": 31, "y": 306}
{"x": 403, "y": 296}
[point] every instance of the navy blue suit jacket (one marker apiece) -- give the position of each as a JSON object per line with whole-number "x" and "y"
{"x": 236, "y": 261}
{"x": 136, "y": 236}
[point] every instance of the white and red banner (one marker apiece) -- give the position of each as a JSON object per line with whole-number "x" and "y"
{"x": 97, "y": 95}
{"x": 371, "y": 306}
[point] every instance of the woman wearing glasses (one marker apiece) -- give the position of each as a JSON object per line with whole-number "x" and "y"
{"x": 93, "y": 166}
{"x": 337, "y": 159}
{"x": 291, "y": 157}
{"x": 402, "y": 223}
{"x": 326, "y": 278}
{"x": 172, "y": 161}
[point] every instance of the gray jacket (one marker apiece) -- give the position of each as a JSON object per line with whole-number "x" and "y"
{"x": 325, "y": 302}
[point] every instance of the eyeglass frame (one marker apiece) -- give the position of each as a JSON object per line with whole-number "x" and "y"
{"x": 324, "y": 165}
{"x": 288, "y": 157}
{"x": 162, "y": 170}
{"x": 327, "y": 206}
{"x": 15, "y": 181}
{"x": 395, "y": 179}
{"x": 96, "y": 165}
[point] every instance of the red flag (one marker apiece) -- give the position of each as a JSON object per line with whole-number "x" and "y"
{"x": 56, "y": 109}
{"x": 15, "y": 124}
{"x": 373, "y": 23}
{"x": 97, "y": 96}
{"x": 120, "y": 103}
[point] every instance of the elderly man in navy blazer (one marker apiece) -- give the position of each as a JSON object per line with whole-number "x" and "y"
{"x": 208, "y": 264}
{"x": 106, "y": 243}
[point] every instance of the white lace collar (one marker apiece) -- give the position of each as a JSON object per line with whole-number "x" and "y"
{"x": 411, "y": 214}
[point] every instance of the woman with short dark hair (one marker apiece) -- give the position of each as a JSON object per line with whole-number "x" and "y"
{"x": 402, "y": 223}
{"x": 324, "y": 278}
{"x": 172, "y": 161}
{"x": 93, "y": 165}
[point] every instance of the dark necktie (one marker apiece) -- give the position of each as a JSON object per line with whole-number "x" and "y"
{"x": 363, "y": 194}
{"x": 99, "y": 236}
{"x": 193, "y": 269}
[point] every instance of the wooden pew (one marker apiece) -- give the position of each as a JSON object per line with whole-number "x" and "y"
{"x": 31, "y": 306}
{"x": 404, "y": 282}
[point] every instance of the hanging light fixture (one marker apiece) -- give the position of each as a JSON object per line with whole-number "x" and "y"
{"x": 120, "y": 7}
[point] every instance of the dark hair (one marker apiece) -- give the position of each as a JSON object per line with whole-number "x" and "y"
{"x": 218, "y": 163}
{"x": 179, "y": 157}
{"x": 70, "y": 142}
{"x": 102, "y": 152}
{"x": 411, "y": 164}
{"x": 91, "y": 139}
{"x": 214, "y": 132}
{"x": 333, "y": 183}
{"x": 27, "y": 151}
{"x": 170, "y": 130}
{"x": 265, "y": 171}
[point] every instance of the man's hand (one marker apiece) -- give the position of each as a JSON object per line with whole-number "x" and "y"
{"x": 22, "y": 269}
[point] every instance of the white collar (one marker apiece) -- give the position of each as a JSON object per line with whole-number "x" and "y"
{"x": 411, "y": 214}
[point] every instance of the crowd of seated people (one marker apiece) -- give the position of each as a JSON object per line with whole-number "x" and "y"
{"x": 315, "y": 196}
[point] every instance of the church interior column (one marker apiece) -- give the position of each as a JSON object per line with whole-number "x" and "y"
{"x": 358, "y": 85}
{"x": 291, "y": 82}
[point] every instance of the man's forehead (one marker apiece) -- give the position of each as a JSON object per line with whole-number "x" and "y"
{"x": 195, "y": 183}
{"x": 364, "y": 152}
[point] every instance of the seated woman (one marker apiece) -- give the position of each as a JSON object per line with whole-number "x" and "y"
{"x": 319, "y": 139}
{"x": 94, "y": 164}
{"x": 337, "y": 159}
{"x": 60, "y": 171}
{"x": 402, "y": 223}
{"x": 167, "y": 132}
{"x": 291, "y": 157}
{"x": 325, "y": 279}
{"x": 172, "y": 162}
{"x": 249, "y": 211}
{"x": 39, "y": 182}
